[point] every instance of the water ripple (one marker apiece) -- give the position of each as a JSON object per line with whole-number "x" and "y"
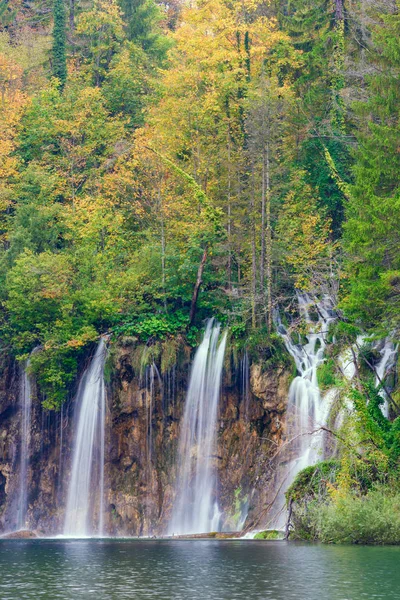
{"x": 195, "y": 570}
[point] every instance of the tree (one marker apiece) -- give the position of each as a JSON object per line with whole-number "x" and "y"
{"x": 102, "y": 31}
{"x": 304, "y": 236}
{"x": 268, "y": 105}
{"x": 372, "y": 238}
{"x": 143, "y": 20}
{"x": 317, "y": 29}
{"x": 59, "y": 61}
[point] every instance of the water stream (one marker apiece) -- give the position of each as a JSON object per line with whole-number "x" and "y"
{"x": 307, "y": 409}
{"x": 26, "y": 408}
{"x": 84, "y": 511}
{"x": 388, "y": 359}
{"x": 245, "y": 384}
{"x": 196, "y": 508}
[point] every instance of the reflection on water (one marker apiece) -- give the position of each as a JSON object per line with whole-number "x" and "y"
{"x": 195, "y": 570}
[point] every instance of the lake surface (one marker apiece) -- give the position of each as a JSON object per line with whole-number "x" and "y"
{"x": 195, "y": 570}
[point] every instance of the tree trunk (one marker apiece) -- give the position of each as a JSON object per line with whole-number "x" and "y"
{"x": 253, "y": 254}
{"x": 268, "y": 242}
{"x": 160, "y": 207}
{"x": 197, "y": 286}
{"x": 72, "y": 15}
{"x": 263, "y": 194}
{"x": 229, "y": 213}
{"x": 339, "y": 10}
{"x": 287, "y": 528}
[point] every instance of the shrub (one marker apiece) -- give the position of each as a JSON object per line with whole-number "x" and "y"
{"x": 370, "y": 519}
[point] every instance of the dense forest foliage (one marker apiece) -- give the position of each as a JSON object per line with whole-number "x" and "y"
{"x": 165, "y": 162}
{"x": 161, "y": 163}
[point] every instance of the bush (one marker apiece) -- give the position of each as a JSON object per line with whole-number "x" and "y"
{"x": 370, "y": 519}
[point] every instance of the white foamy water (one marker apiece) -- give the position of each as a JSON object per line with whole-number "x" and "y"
{"x": 25, "y": 395}
{"x": 196, "y": 508}
{"x": 307, "y": 409}
{"x": 84, "y": 511}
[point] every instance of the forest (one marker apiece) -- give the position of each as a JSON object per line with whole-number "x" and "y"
{"x": 162, "y": 163}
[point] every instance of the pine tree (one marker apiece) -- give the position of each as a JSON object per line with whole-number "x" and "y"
{"x": 372, "y": 235}
{"x": 142, "y": 24}
{"x": 59, "y": 66}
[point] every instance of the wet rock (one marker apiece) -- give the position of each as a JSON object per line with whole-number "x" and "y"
{"x": 24, "y": 534}
{"x": 142, "y": 433}
{"x": 270, "y": 386}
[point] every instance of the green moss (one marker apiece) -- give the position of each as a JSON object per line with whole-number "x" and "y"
{"x": 312, "y": 481}
{"x": 240, "y": 501}
{"x": 109, "y": 365}
{"x": 269, "y": 534}
{"x": 327, "y": 375}
{"x": 169, "y": 354}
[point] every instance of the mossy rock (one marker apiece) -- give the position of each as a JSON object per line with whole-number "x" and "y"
{"x": 269, "y": 534}
{"x": 311, "y": 482}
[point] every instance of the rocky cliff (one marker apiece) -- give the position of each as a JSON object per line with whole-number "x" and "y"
{"x": 144, "y": 411}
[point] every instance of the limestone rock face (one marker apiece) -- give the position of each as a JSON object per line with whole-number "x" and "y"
{"x": 271, "y": 387}
{"x": 142, "y": 467}
{"x": 144, "y": 413}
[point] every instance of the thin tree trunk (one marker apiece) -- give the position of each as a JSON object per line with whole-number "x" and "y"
{"x": 262, "y": 254}
{"x": 268, "y": 240}
{"x": 160, "y": 207}
{"x": 197, "y": 286}
{"x": 253, "y": 254}
{"x": 287, "y": 528}
{"x": 72, "y": 15}
{"x": 229, "y": 214}
{"x": 339, "y": 10}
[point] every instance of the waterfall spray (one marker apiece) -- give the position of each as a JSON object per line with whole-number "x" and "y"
{"x": 195, "y": 508}
{"x": 86, "y": 488}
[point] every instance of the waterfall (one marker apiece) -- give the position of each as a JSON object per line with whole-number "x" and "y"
{"x": 152, "y": 374}
{"x": 26, "y": 406}
{"x": 388, "y": 359}
{"x": 245, "y": 383}
{"x": 307, "y": 410}
{"x": 86, "y": 487}
{"x": 195, "y": 509}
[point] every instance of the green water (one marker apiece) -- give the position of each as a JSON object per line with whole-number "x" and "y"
{"x": 195, "y": 570}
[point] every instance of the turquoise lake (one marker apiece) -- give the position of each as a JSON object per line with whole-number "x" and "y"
{"x": 195, "y": 569}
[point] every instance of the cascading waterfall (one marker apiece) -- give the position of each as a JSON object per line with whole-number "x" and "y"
{"x": 86, "y": 488}
{"x": 388, "y": 359}
{"x": 245, "y": 383}
{"x": 307, "y": 410}
{"x": 152, "y": 375}
{"x": 26, "y": 407}
{"x": 195, "y": 508}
